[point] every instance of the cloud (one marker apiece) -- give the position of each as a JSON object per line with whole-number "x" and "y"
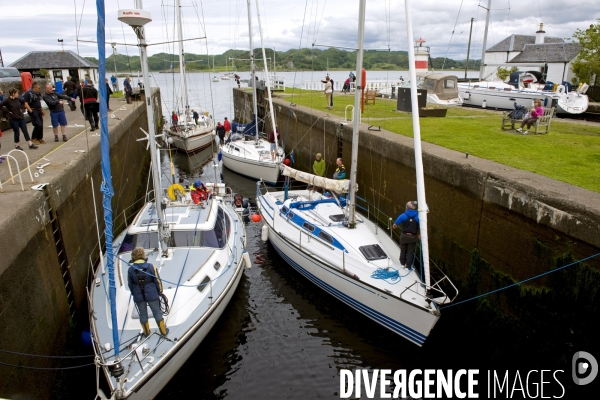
{"x": 289, "y": 24}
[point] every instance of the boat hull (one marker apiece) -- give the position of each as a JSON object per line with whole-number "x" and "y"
{"x": 572, "y": 103}
{"x": 161, "y": 377}
{"x": 193, "y": 144}
{"x": 268, "y": 172}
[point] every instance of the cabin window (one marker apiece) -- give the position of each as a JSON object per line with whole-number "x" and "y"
{"x": 284, "y": 210}
{"x": 326, "y": 237}
{"x": 475, "y": 86}
{"x": 204, "y": 284}
{"x": 337, "y": 217}
{"x": 309, "y": 227}
{"x": 187, "y": 238}
{"x": 449, "y": 84}
{"x": 430, "y": 85}
{"x": 290, "y": 215}
{"x": 147, "y": 240}
{"x": 373, "y": 252}
{"x": 217, "y": 265}
{"x": 491, "y": 87}
{"x": 147, "y": 222}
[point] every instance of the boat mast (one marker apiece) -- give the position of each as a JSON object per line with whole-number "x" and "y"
{"x": 184, "y": 97}
{"x": 485, "y": 32}
{"x": 252, "y": 73}
{"x": 356, "y": 121}
{"x": 422, "y": 203}
{"x": 163, "y": 232}
{"x": 469, "y": 48}
{"x": 262, "y": 44}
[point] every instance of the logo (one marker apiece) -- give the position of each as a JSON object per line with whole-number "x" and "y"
{"x": 584, "y": 367}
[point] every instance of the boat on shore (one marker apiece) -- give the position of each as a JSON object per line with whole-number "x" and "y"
{"x": 442, "y": 89}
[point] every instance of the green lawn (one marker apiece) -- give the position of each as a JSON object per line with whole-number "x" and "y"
{"x": 570, "y": 153}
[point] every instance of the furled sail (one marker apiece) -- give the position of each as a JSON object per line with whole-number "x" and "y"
{"x": 338, "y": 186}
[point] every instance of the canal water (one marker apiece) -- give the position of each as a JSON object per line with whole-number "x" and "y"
{"x": 283, "y": 337}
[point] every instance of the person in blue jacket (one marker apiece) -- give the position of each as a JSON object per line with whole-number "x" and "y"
{"x": 409, "y": 220}
{"x": 145, "y": 286}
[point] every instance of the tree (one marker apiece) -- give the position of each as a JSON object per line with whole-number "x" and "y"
{"x": 587, "y": 64}
{"x": 504, "y": 73}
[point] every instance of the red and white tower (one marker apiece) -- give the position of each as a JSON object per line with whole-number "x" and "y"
{"x": 421, "y": 56}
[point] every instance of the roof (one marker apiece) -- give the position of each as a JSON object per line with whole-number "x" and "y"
{"x": 518, "y": 42}
{"x": 52, "y": 60}
{"x": 550, "y": 52}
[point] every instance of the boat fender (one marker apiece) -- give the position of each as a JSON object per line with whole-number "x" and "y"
{"x": 584, "y": 88}
{"x": 467, "y": 96}
{"x": 264, "y": 233}
{"x": 173, "y": 189}
{"x": 484, "y": 104}
{"x": 246, "y": 258}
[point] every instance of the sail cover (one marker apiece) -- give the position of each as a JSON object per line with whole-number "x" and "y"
{"x": 338, "y": 186}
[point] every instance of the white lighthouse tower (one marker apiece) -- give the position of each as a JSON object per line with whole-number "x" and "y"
{"x": 421, "y": 56}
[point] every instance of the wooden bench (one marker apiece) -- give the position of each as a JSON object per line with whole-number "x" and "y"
{"x": 370, "y": 95}
{"x": 541, "y": 126}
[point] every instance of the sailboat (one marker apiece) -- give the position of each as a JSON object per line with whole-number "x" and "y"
{"x": 343, "y": 252}
{"x": 185, "y": 134}
{"x": 199, "y": 252}
{"x": 253, "y": 158}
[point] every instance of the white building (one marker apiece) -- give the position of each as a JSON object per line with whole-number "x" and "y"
{"x": 59, "y": 64}
{"x": 552, "y": 56}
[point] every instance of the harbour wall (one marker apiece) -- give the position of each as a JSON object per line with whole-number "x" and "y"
{"x": 490, "y": 225}
{"x": 35, "y": 314}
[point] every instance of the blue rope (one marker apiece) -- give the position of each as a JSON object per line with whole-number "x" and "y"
{"x": 390, "y": 275}
{"x": 106, "y": 187}
{"x": 523, "y": 281}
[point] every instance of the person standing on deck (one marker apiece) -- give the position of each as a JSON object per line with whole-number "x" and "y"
{"x": 221, "y": 133}
{"x": 33, "y": 104}
{"x": 145, "y": 286}
{"x": 13, "y": 107}
{"x": 195, "y": 116}
{"x": 409, "y": 236}
{"x": 227, "y": 126}
{"x": 57, "y": 111}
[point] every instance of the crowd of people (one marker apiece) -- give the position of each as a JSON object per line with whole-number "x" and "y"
{"x": 13, "y": 107}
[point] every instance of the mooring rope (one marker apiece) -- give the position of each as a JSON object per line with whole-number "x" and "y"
{"x": 523, "y": 281}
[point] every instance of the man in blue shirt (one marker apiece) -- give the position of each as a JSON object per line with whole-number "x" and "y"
{"x": 128, "y": 89}
{"x": 409, "y": 236}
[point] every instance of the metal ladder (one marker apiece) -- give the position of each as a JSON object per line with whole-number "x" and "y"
{"x": 61, "y": 252}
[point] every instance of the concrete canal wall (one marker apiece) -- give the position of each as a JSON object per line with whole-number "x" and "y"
{"x": 489, "y": 224}
{"x": 35, "y": 316}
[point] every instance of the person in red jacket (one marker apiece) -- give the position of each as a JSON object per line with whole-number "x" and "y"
{"x": 199, "y": 193}
{"x": 227, "y": 126}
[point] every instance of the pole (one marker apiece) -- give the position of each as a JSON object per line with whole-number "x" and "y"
{"x": 114, "y": 46}
{"x": 417, "y": 145}
{"x": 267, "y": 74}
{"x": 355, "y": 122}
{"x": 485, "y": 33}
{"x": 184, "y": 98}
{"x": 252, "y": 74}
{"x": 469, "y": 47}
{"x": 154, "y": 155}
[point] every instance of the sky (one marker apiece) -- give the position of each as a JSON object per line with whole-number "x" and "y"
{"x": 287, "y": 24}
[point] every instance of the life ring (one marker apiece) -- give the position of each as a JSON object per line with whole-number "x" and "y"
{"x": 171, "y": 191}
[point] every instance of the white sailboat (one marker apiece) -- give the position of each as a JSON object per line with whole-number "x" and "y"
{"x": 199, "y": 253}
{"x": 346, "y": 254}
{"x": 185, "y": 134}
{"x": 253, "y": 158}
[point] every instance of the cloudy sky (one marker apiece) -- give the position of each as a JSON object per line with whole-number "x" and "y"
{"x": 444, "y": 24}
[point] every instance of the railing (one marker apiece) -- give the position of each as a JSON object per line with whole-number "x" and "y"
{"x": 375, "y": 84}
{"x": 9, "y": 157}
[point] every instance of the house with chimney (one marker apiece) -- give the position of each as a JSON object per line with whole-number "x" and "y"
{"x": 552, "y": 56}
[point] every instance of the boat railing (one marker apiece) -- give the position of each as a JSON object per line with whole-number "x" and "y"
{"x": 339, "y": 85}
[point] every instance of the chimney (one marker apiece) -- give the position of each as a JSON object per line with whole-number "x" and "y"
{"x": 539, "y": 35}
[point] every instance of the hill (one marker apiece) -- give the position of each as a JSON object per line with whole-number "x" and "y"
{"x": 294, "y": 59}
